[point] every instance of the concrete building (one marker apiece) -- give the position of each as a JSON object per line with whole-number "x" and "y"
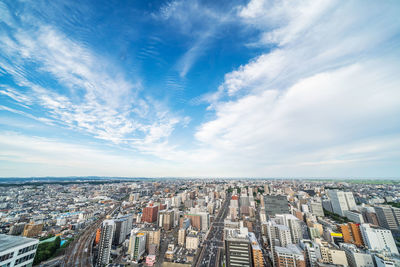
{"x": 356, "y": 257}
{"x": 289, "y": 256}
{"x": 378, "y": 239}
{"x": 276, "y": 204}
{"x": 152, "y": 237}
{"x": 258, "y": 260}
{"x": 32, "y": 229}
{"x": 166, "y": 219}
{"x": 181, "y": 237}
{"x": 294, "y": 225}
{"x": 192, "y": 241}
{"x": 17, "y": 229}
{"x": 238, "y": 249}
{"x": 386, "y": 217}
{"x": 137, "y": 245}
{"x": 309, "y": 252}
{"x": 17, "y": 251}
{"x": 316, "y": 209}
{"x": 106, "y": 238}
{"x": 354, "y": 216}
{"x": 150, "y": 213}
{"x": 341, "y": 201}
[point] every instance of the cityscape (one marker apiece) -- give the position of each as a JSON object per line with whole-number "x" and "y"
{"x": 199, "y": 133}
{"x": 200, "y": 222}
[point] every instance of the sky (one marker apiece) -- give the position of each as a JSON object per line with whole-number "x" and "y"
{"x": 228, "y": 88}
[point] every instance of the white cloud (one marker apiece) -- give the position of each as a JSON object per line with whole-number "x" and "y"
{"x": 327, "y": 89}
{"x": 88, "y": 92}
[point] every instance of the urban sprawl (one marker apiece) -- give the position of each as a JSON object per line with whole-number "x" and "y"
{"x": 201, "y": 222}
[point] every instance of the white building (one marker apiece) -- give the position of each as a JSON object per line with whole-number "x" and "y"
{"x": 106, "y": 238}
{"x": 354, "y": 216}
{"x": 356, "y": 257}
{"x": 137, "y": 245}
{"x": 17, "y": 251}
{"x": 378, "y": 238}
{"x": 341, "y": 201}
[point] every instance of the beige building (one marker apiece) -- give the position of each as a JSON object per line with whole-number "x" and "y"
{"x": 192, "y": 242}
{"x": 152, "y": 237}
{"x": 181, "y": 237}
{"x": 32, "y": 229}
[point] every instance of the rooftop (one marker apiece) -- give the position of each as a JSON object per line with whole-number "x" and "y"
{"x": 10, "y": 241}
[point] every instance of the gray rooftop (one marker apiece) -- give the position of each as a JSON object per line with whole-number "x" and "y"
{"x": 9, "y": 241}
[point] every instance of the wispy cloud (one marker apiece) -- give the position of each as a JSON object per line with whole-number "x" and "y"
{"x": 329, "y": 83}
{"x": 197, "y": 21}
{"x": 82, "y": 90}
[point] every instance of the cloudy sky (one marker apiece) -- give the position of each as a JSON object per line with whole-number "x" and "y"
{"x": 255, "y": 88}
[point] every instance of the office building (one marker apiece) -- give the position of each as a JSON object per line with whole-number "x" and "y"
{"x": 137, "y": 245}
{"x": 166, "y": 219}
{"x": 341, "y": 201}
{"x": 276, "y": 204}
{"x": 192, "y": 241}
{"x": 387, "y": 217}
{"x": 150, "y": 213}
{"x": 289, "y": 256}
{"x": 17, "y": 229}
{"x": 356, "y": 257}
{"x": 120, "y": 232}
{"x": 152, "y": 237}
{"x": 378, "y": 239}
{"x": 181, "y": 237}
{"x": 17, "y": 251}
{"x": 106, "y": 238}
{"x": 258, "y": 259}
{"x": 316, "y": 208}
{"x": 309, "y": 252}
{"x": 238, "y": 249}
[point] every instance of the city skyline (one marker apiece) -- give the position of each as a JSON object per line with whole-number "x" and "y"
{"x": 200, "y": 89}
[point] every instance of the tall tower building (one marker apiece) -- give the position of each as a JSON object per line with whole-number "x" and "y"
{"x": 150, "y": 213}
{"x": 106, "y": 238}
{"x": 386, "y": 217}
{"x": 137, "y": 245}
{"x": 238, "y": 250}
{"x": 181, "y": 236}
{"x": 341, "y": 201}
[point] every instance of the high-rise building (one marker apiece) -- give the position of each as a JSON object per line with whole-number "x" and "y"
{"x": 137, "y": 245}
{"x": 341, "y": 201}
{"x": 106, "y": 237}
{"x": 294, "y": 225}
{"x": 289, "y": 256}
{"x": 192, "y": 241}
{"x": 316, "y": 208}
{"x": 166, "y": 219}
{"x": 309, "y": 252}
{"x": 258, "y": 260}
{"x": 238, "y": 250}
{"x": 378, "y": 238}
{"x": 17, "y": 229}
{"x": 386, "y": 217}
{"x": 276, "y": 204}
{"x": 121, "y": 226}
{"x": 152, "y": 237}
{"x": 17, "y": 251}
{"x": 181, "y": 236}
{"x": 150, "y": 213}
{"x": 356, "y": 257}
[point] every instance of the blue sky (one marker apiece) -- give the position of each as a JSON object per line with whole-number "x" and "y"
{"x": 255, "y": 88}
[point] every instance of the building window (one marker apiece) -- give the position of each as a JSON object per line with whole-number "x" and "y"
{"x": 6, "y": 256}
